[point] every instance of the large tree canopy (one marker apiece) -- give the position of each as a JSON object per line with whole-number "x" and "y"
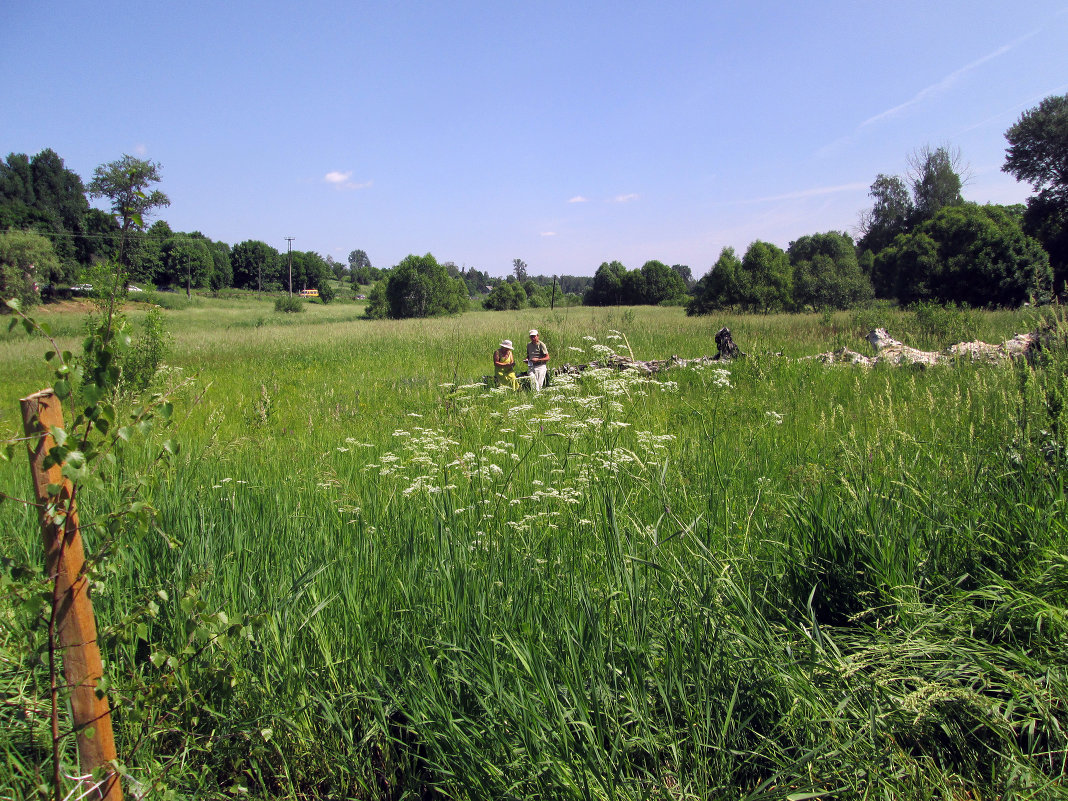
{"x": 762, "y": 282}
{"x": 255, "y": 264}
{"x": 934, "y": 182}
{"x": 935, "y": 179}
{"x": 607, "y": 286}
{"x": 891, "y": 215}
{"x": 826, "y": 272}
{"x": 127, "y": 185}
{"x": 1038, "y": 146}
{"x": 507, "y": 295}
{"x": 659, "y": 283}
{"x": 26, "y": 259}
{"x": 187, "y": 262}
{"x": 765, "y": 279}
{"x": 718, "y": 288}
{"x": 1038, "y": 154}
{"x": 418, "y": 287}
{"x": 42, "y": 194}
{"x": 613, "y": 284}
{"x": 972, "y": 254}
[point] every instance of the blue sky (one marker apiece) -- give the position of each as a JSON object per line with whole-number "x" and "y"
{"x": 564, "y": 134}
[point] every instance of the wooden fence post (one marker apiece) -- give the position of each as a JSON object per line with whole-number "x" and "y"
{"x": 75, "y": 623}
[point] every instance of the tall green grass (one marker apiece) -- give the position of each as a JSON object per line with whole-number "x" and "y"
{"x": 775, "y": 579}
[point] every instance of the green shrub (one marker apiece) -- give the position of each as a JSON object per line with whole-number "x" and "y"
{"x": 939, "y": 326}
{"x": 174, "y": 301}
{"x": 862, "y": 321}
{"x": 141, "y": 363}
{"x": 288, "y": 303}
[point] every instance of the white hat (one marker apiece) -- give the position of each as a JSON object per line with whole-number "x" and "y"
{"x": 533, "y": 332}
{"x": 506, "y": 343}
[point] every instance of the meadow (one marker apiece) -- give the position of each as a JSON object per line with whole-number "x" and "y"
{"x": 372, "y": 577}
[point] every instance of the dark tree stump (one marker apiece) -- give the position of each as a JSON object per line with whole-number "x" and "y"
{"x": 725, "y": 347}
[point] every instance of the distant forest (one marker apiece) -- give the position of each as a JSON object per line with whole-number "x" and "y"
{"x": 919, "y": 241}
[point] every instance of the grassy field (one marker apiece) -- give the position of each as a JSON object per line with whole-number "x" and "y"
{"x": 770, "y": 579}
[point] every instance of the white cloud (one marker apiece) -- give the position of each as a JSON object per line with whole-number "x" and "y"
{"x": 815, "y": 191}
{"x": 140, "y": 150}
{"x": 625, "y": 198}
{"x": 944, "y": 84}
{"x": 341, "y": 180}
{"x": 579, "y": 199}
{"x": 548, "y": 233}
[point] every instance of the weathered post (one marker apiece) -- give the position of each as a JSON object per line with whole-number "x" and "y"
{"x": 73, "y": 611}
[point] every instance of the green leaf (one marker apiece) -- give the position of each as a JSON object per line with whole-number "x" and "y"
{"x": 58, "y": 434}
{"x": 62, "y": 389}
{"x": 165, "y": 410}
{"x": 171, "y": 447}
{"x": 91, "y": 394}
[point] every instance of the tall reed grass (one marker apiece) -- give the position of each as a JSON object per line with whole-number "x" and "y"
{"x": 774, "y": 579}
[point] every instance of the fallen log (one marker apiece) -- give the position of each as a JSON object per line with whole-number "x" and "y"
{"x": 889, "y": 350}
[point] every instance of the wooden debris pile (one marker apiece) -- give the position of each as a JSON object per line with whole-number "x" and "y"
{"x": 889, "y": 350}
{"x": 726, "y": 350}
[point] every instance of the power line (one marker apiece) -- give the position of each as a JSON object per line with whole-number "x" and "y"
{"x": 290, "y": 239}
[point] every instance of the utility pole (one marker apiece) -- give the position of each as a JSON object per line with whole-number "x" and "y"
{"x": 290, "y": 239}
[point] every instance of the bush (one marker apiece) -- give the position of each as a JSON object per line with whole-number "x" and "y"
{"x": 26, "y": 257}
{"x": 863, "y": 321}
{"x": 939, "y": 326}
{"x": 174, "y": 301}
{"x": 146, "y": 354}
{"x": 288, "y": 303}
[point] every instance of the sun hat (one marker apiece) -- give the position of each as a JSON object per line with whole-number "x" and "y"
{"x": 533, "y": 332}
{"x": 507, "y": 343}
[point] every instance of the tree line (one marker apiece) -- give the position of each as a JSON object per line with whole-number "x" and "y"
{"x": 920, "y": 241}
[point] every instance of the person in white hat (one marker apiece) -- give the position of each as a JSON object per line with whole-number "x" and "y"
{"x": 504, "y": 366}
{"x": 537, "y": 356}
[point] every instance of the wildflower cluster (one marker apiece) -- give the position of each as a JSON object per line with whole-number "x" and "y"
{"x": 548, "y": 450}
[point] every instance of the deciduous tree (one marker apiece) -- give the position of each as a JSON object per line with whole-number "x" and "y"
{"x": 978, "y": 255}
{"x": 519, "y": 270}
{"x": 826, "y": 272}
{"x": 127, "y": 184}
{"x": 187, "y": 261}
{"x": 1038, "y": 154}
{"x": 26, "y": 259}
{"x": 935, "y": 177}
{"x": 607, "y": 286}
{"x": 891, "y": 215}
{"x": 420, "y": 287}
{"x": 718, "y": 288}
{"x": 255, "y": 264}
{"x": 765, "y": 279}
{"x": 660, "y": 283}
